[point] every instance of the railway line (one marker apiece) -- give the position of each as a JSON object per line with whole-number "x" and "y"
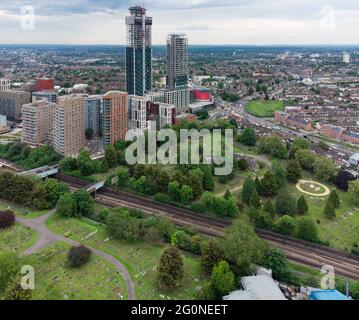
{"x": 298, "y": 251}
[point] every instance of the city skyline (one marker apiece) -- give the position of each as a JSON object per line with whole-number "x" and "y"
{"x": 206, "y": 22}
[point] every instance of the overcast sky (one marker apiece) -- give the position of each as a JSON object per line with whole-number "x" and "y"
{"x": 205, "y": 21}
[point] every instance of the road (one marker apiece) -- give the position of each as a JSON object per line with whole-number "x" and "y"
{"x": 47, "y": 237}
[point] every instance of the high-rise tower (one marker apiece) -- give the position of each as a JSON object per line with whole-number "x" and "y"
{"x": 139, "y": 52}
{"x": 177, "y": 62}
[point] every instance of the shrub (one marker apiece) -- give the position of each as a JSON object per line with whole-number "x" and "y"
{"x": 78, "y": 256}
{"x": 7, "y": 219}
{"x": 162, "y": 197}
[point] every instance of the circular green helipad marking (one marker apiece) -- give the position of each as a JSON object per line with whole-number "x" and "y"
{"x": 313, "y": 188}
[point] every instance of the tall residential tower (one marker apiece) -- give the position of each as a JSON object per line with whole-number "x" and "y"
{"x": 139, "y": 52}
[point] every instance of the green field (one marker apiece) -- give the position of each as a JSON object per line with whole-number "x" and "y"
{"x": 140, "y": 259}
{"x": 264, "y": 109}
{"x": 16, "y": 239}
{"x": 97, "y": 280}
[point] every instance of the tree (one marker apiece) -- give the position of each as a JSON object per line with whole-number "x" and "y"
{"x": 122, "y": 176}
{"x": 254, "y": 201}
{"x": 227, "y": 195}
{"x": 243, "y": 165}
{"x": 329, "y": 210}
{"x": 54, "y": 190}
{"x": 258, "y": 184}
{"x": 248, "y": 188}
{"x": 280, "y": 174}
{"x": 324, "y": 168}
{"x": 301, "y": 143}
{"x": 342, "y": 180}
{"x": 211, "y": 254}
{"x": 78, "y": 256}
{"x": 9, "y": 268}
{"x": 208, "y": 182}
{"x": 334, "y": 199}
{"x": 354, "y": 290}
{"x": 89, "y": 133}
{"x": 69, "y": 164}
{"x": 174, "y": 191}
{"x": 275, "y": 260}
{"x": 285, "y": 204}
{"x": 269, "y": 208}
{"x": 306, "y": 159}
{"x": 14, "y": 291}
{"x": 285, "y": 225}
{"x": 302, "y": 206}
{"x": 170, "y": 270}
{"x": 274, "y": 146}
{"x": 181, "y": 239}
{"x": 242, "y": 246}
{"x": 186, "y": 194}
{"x": 294, "y": 173}
{"x": 84, "y": 202}
{"x": 269, "y": 185}
{"x": 121, "y": 225}
{"x": 307, "y": 230}
{"x": 222, "y": 279}
{"x": 354, "y": 192}
{"x": 248, "y": 137}
{"x": 7, "y": 219}
{"x": 111, "y": 156}
{"x": 66, "y": 206}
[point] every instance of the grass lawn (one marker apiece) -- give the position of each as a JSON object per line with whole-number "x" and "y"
{"x": 21, "y": 211}
{"x": 140, "y": 259}
{"x": 97, "y": 280}
{"x": 264, "y": 109}
{"x": 16, "y": 239}
{"x": 343, "y": 231}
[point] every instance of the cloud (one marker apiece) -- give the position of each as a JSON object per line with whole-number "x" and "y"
{"x": 205, "y": 21}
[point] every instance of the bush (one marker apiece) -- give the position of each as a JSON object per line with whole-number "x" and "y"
{"x": 307, "y": 230}
{"x": 162, "y": 197}
{"x": 78, "y": 256}
{"x": 285, "y": 225}
{"x": 7, "y": 219}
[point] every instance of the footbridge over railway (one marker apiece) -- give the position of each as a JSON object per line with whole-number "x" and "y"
{"x": 94, "y": 187}
{"x": 42, "y": 172}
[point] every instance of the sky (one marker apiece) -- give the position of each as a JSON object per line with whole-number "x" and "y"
{"x": 256, "y": 22}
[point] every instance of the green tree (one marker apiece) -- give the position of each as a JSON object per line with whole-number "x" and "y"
{"x": 354, "y": 290}
{"x": 248, "y": 137}
{"x": 301, "y": 143}
{"x": 170, "y": 271}
{"x": 227, "y": 195}
{"x": 254, "y": 201}
{"x": 294, "y": 173}
{"x": 111, "y": 156}
{"x": 285, "y": 225}
{"x": 353, "y": 192}
{"x": 334, "y": 199}
{"x": 274, "y": 146}
{"x": 302, "y": 206}
{"x": 186, "y": 194}
{"x": 121, "y": 225}
{"x": 181, "y": 239}
{"x": 307, "y": 230}
{"x": 243, "y": 165}
{"x": 269, "y": 185}
{"x": 54, "y": 190}
{"x": 329, "y": 210}
{"x": 84, "y": 203}
{"x": 222, "y": 279}
{"x": 269, "y": 208}
{"x": 285, "y": 204}
{"x": 9, "y": 268}
{"x": 248, "y": 188}
{"x": 66, "y": 206}
{"x": 280, "y": 174}
{"x": 324, "y": 168}
{"x": 306, "y": 159}
{"x": 208, "y": 182}
{"x": 69, "y": 164}
{"x": 122, "y": 176}
{"x": 174, "y": 190}
{"x": 211, "y": 254}
{"x": 14, "y": 291}
{"x": 89, "y": 134}
{"x": 242, "y": 246}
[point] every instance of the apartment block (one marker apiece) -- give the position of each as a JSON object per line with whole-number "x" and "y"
{"x": 4, "y": 85}
{"x": 69, "y": 131}
{"x": 161, "y": 113}
{"x": 11, "y": 102}
{"x": 37, "y": 121}
{"x": 138, "y": 122}
{"x": 114, "y": 117}
{"x": 92, "y": 114}
{"x": 50, "y": 96}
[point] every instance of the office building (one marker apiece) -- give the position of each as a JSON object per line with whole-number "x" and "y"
{"x": 180, "y": 98}
{"x": 37, "y": 121}
{"x": 177, "y": 62}
{"x": 69, "y": 132}
{"x": 92, "y": 114}
{"x": 114, "y": 117}
{"x": 11, "y": 102}
{"x": 139, "y": 52}
{"x": 4, "y": 84}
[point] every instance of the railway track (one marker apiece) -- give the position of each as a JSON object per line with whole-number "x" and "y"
{"x": 296, "y": 250}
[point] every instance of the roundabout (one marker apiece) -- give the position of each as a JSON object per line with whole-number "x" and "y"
{"x": 313, "y": 188}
